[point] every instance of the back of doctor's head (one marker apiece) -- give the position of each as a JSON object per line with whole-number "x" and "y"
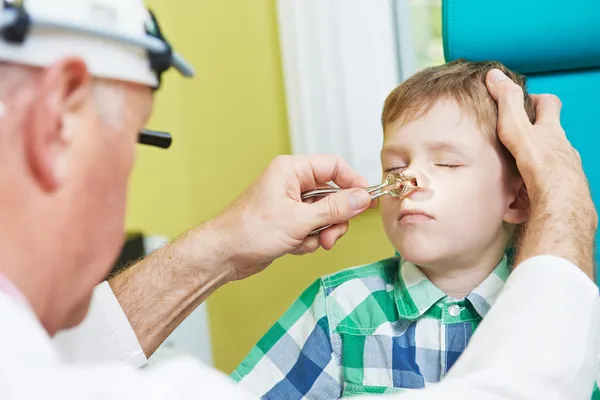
{"x": 108, "y": 96}
{"x": 67, "y": 143}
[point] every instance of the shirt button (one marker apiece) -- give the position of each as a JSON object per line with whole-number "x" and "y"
{"x": 454, "y": 310}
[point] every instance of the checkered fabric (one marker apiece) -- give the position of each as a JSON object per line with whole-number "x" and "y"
{"x": 372, "y": 329}
{"x": 376, "y": 328}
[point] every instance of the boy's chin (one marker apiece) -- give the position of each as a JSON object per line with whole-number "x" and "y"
{"x": 428, "y": 263}
{"x": 420, "y": 256}
{"x": 433, "y": 260}
{"x": 418, "y": 260}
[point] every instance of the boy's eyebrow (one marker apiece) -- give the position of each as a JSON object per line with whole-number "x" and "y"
{"x": 433, "y": 147}
{"x": 445, "y": 146}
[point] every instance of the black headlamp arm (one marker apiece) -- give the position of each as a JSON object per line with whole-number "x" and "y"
{"x": 19, "y": 29}
{"x": 155, "y": 138}
{"x": 160, "y": 61}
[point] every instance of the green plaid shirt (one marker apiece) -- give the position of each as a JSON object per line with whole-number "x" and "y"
{"x": 376, "y": 328}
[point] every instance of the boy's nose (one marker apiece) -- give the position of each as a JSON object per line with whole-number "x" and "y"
{"x": 422, "y": 180}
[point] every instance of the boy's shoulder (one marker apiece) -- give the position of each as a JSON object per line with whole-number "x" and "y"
{"x": 360, "y": 300}
{"x": 377, "y": 275}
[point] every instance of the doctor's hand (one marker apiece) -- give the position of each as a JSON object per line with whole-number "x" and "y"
{"x": 541, "y": 150}
{"x": 551, "y": 169}
{"x": 267, "y": 221}
{"x": 270, "y": 220}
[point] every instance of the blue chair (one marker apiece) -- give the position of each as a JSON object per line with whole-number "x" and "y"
{"x": 555, "y": 43}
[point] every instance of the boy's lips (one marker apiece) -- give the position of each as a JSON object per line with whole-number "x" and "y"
{"x": 414, "y": 215}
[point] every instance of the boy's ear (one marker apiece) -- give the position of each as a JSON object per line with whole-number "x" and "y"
{"x": 518, "y": 209}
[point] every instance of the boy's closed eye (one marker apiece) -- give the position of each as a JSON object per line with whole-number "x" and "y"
{"x": 449, "y": 162}
{"x": 441, "y": 164}
{"x": 395, "y": 169}
{"x": 448, "y": 165}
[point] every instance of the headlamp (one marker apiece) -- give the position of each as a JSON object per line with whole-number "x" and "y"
{"x": 118, "y": 39}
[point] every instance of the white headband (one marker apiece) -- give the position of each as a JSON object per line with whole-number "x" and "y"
{"x": 117, "y": 39}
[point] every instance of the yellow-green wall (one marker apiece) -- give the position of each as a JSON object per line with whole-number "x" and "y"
{"x": 228, "y": 123}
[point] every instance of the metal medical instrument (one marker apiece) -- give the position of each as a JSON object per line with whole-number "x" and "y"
{"x": 395, "y": 184}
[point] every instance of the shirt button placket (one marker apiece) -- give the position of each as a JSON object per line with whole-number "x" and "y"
{"x": 454, "y": 310}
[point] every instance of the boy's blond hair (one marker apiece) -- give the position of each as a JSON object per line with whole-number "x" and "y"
{"x": 462, "y": 82}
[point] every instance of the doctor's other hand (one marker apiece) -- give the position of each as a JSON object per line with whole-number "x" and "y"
{"x": 269, "y": 219}
{"x": 545, "y": 157}
{"x": 551, "y": 168}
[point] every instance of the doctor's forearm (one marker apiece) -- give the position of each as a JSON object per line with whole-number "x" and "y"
{"x": 564, "y": 226}
{"x": 159, "y": 292}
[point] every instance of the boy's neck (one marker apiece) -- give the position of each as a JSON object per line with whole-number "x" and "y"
{"x": 459, "y": 279}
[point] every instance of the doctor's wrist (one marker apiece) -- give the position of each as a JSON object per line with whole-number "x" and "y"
{"x": 209, "y": 253}
{"x": 563, "y": 222}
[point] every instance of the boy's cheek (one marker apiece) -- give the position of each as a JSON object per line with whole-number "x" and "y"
{"x": 384, "y": 203}
{"x": 389, "y": 214}
{"x": 386, "y": 217}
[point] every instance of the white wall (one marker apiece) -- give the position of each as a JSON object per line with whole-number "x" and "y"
{"x": 340, "y": 61}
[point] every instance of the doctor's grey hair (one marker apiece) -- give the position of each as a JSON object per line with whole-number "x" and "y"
{"x": 11, "y": 77}
{"x": 108, "y": 96}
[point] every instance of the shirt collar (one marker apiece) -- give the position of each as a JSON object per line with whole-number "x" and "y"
{"x": 415, "y": 293}
{"x": 485, "y": 295}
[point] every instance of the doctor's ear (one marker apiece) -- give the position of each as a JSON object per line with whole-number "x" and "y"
{"x": 62, "y": 92}
{"x": 518, "y": 209}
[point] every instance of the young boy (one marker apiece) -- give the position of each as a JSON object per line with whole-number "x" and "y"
{"x": 400, "y": 324}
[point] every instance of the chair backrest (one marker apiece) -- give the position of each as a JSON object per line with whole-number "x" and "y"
{"x": 555, "y": 43}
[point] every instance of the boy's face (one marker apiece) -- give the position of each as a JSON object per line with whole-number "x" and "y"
{"x": 465, "y": 198}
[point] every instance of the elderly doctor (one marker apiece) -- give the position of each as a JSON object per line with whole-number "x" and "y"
{"x": 76, "y": 87}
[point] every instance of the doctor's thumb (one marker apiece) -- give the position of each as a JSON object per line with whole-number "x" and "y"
{"x": 341, "y": 206}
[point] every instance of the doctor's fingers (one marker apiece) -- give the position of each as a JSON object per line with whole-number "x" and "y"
{"x": 313, "y": 170}
{"x": 513, "y": 122}
{"x": 308, "y": 245}
{"x": 547, "y": 109}
{"x": 331, "y": 235}
{"x": 326, "y": 239}
{"x": 336, "y": 208}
